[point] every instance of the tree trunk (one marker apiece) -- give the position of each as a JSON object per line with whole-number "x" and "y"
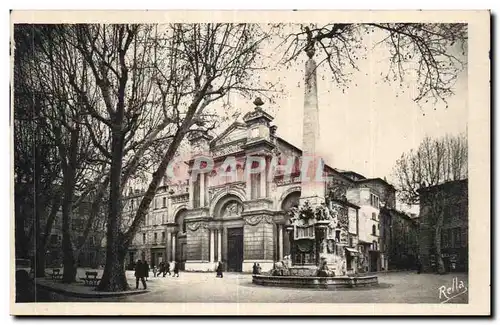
{"x": 69, "y": 180}
{"x": 94, "y": 211}
{"x": 69, "y": 275}
{"x": 437, "y": 243}
{"x": 21, "y": 217}
{"x": 39, "y": 258}
{"x": 42, "y": 241}
{"x": 39, "y": 215}
{"x": 113, "y": 278}
{"x": 56, "y": 204}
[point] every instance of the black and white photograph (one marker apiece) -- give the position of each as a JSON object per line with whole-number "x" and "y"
{"x": 250, "y": 158}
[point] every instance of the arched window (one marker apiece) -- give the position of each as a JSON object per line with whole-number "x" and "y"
{"x": 179, "y": 220}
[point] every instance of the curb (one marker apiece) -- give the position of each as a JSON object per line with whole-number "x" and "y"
{"x": 91, "y": 295}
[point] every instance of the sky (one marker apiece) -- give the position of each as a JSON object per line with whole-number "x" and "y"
{"x": 367, "y": 127}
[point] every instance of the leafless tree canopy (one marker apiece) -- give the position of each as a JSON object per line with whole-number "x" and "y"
{"x": 434, "y": 162}
{"x": 119, "y": 100}
{"x": 431, "y": 55}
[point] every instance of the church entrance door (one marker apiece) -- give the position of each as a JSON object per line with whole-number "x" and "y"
{"x": 234, "y": 249}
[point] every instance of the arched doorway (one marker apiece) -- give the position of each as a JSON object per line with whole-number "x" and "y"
{"x": 290, "y": 201}
{"x": 179, "y": 251}
{"x": 228, "y": 210}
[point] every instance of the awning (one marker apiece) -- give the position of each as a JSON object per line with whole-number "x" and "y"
{"x": 352, "y": 251}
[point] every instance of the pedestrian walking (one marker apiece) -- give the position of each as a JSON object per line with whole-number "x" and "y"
{"x": 176, "y": 269}
{"x": 155, "y": 270}
{"x": 419, "y": 266}
{"x": 219, "y": 270}
{"x": 140, "y": 269}
{"x": 161, "y": 268}
{"x": 167, "y": 269}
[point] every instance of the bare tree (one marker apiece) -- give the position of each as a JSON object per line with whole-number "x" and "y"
{"x": 60, "y": 117}
{"x": 154, "y": 85}
{"x": 36, "y": 165}
{"x": 436, "y": 161}
{"x": 432, "y": 55}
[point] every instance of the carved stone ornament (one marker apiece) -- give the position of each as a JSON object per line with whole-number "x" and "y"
{"x": 240, "y": 186}
{"x": 226, "y": 150}
{"x": 232, "y": 209}
{"x": 269, "y": 219}
{"x": 194, "y": 226}
{"x": 253, "y": 220}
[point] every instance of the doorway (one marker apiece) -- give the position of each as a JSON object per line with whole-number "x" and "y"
{"x": 156, "y": 257}
{"x": 374, "y": 257}
{"x": 183, "y": 256}
{"x": 234, "y": 249}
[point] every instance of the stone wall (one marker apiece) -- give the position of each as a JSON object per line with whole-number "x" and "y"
{"x": 259, "y": 241}
{"x": 198, "y": 244}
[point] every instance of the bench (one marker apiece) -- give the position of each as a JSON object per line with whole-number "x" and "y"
{"x": 91, "y": 279}
{"x": 56, "y": 274}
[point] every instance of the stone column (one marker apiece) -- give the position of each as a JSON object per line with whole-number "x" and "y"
{"x": 248, "y": 180}
{"x": 212, "y": 245}
{"x": 311, "y": 188}
{"x": 263, "y": 182}
{"x": 173, "y": 246}
{"x": 280, "y": 236}
{"x": 168, "y": 247}
{"x": 224, "y": 246}
{"x": 202, "y": 189}
{"x": 219, "y": 244}
{"x": 191, "y": 190}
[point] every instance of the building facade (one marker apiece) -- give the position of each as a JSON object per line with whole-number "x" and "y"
{"x": 90, "y": 250}
{"x": 450, "y": 199}
{"x": 399, "y": 239}
{"x": 371, "y": 195}
{"x": 240, "y": 218}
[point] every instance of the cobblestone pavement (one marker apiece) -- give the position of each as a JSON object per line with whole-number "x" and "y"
{"x": 395, "y": 287}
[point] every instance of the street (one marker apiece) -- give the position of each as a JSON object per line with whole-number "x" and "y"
{"x": 396, "y": 287}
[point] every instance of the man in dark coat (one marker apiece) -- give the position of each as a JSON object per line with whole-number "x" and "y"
{"x": 140, "y": 272}
{"x": 176, "y": 269}
{"x": 219, "y": 270}
{"x": 161, "y": 268}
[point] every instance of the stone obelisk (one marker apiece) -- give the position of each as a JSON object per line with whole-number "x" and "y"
{"x": 312, "y": 186}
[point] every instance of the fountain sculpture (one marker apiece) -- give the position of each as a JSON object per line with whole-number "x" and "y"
{"x": 319, "y": 226}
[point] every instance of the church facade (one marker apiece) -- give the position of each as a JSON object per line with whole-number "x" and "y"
{"x": 224, "y": 212}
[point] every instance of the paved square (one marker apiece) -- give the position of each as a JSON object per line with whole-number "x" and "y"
{"x": 397, "y": 287}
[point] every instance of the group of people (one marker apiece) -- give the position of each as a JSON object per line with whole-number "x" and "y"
{"x": 164, "y": 268}
{"x": 142, "y": 271}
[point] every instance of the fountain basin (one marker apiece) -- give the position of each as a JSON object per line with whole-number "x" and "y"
{"x": 316, "y": 282}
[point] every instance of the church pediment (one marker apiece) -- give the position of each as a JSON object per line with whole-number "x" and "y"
{"x": 237, "y": 131}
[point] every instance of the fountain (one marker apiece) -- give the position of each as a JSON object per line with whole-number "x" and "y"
{"x": 319, "y": 226}
{"x": 321, "y": 232}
